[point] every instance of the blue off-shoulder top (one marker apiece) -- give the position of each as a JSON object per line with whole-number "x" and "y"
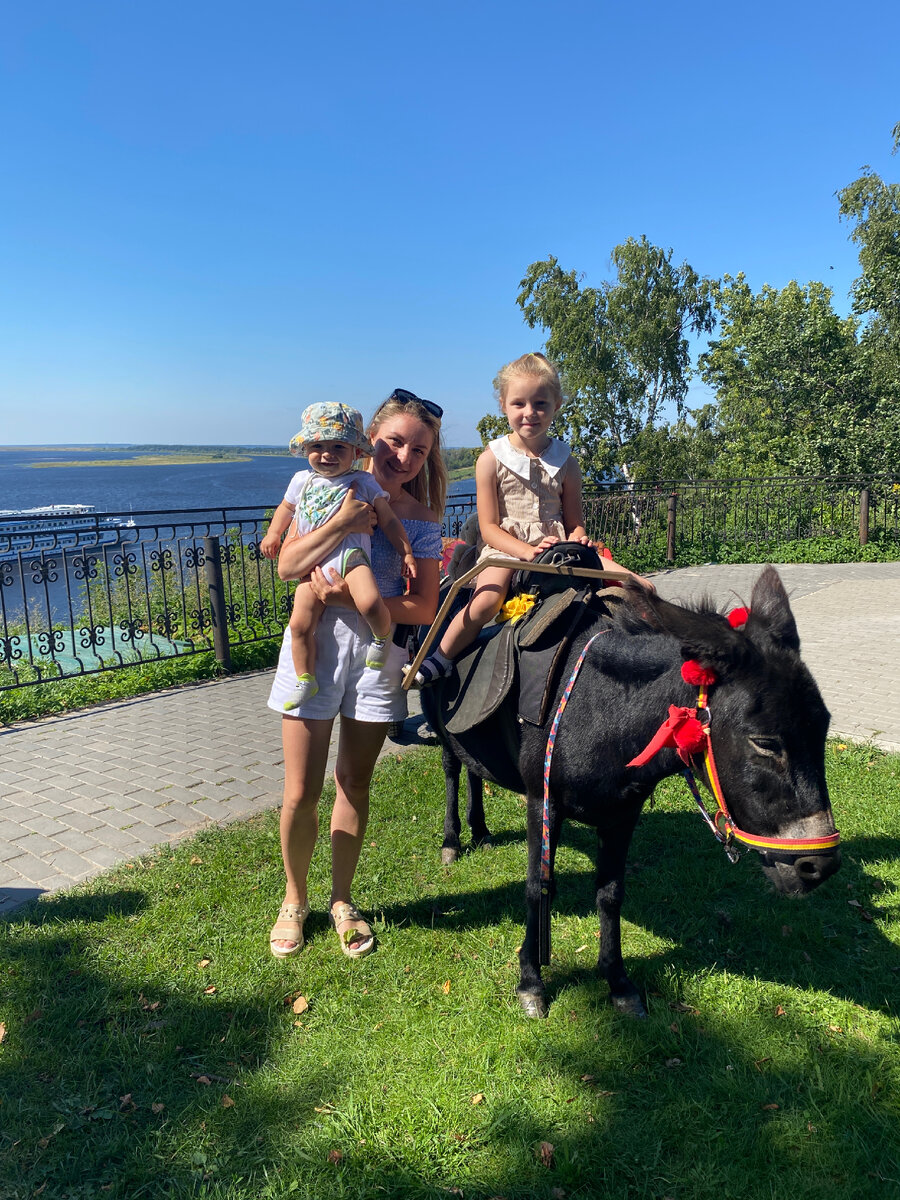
{"x": 425, "y": 539}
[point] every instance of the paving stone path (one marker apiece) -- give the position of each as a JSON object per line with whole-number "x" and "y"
{"x": 83, "y": 792}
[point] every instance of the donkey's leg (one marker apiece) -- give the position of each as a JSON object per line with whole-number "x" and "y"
{"x": 450, "y": 849}
{"x": 612, "y": 850}
{"x": 530, "y": 990}
{"x": 481, "y": 835}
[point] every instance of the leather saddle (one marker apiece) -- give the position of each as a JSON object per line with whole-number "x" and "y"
{"x": 528, "y": 651}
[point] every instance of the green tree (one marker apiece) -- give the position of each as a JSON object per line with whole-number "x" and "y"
{"x": 622, "y": 348}
{"x": 682, "y": 449}
{"x": 873, "y": 207}
{"x": 794, "y": 391}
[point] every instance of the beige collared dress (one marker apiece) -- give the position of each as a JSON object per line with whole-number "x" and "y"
{"x": 529, "y": 493}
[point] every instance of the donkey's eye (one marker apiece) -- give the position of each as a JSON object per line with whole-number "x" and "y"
{"x": 771, "y": 747}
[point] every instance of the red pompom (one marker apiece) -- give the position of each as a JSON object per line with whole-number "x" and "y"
{"x": 695, "y": 674}
{"x": 738, "y": 617}
{"x": 690, "y": 736}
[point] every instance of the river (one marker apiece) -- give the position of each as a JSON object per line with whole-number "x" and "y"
{"x": 123, "y": 490}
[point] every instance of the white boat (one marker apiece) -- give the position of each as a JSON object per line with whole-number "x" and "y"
{"x": 56, "y": 527}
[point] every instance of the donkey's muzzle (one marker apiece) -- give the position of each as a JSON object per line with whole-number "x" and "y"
{"x": 797, "y": 874}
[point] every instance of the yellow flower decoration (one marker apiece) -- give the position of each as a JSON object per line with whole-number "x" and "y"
{"x": 517, "y": 607}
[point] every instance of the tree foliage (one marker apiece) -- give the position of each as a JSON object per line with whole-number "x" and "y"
{"x": 622, "y": 347}
{"x": 873, "y": 207}
{"x": 793, "y": 393}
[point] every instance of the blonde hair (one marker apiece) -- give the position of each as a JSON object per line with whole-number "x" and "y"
{"x": 429, "y": 487}
{"x": 535, "y": 364}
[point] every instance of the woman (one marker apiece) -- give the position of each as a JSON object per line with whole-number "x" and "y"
{"x": 408, "y": 464}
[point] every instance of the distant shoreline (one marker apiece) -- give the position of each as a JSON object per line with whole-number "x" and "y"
{"x": 149, "y": 460}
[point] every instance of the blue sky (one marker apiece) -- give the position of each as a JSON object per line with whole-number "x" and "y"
{"x": 215, "y": 213}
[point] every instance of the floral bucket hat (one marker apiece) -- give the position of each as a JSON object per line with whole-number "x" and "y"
{"x": 328, "y": 421}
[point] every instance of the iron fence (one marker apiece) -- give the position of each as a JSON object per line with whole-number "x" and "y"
{"x": 740, "y": 520}
{"x": 78, "y": 600}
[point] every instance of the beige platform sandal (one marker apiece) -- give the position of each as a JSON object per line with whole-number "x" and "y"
{"x": 355, "y": 942}
{"x": 288, "y": 928}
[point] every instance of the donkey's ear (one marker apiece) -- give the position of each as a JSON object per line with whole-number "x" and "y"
{"x": 770, "y": 610}
{"x": 704, "y": 636}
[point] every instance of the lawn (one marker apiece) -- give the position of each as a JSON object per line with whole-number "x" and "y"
{"x": 151, "y": 1047}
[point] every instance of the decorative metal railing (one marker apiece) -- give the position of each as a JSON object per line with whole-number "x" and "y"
{"x": 77, "y": 600}
{"x": 742, "y": 520}
{"x": 168, "y": 585}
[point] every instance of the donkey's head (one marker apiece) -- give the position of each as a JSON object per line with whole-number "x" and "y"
{"x": 767, "y": 730}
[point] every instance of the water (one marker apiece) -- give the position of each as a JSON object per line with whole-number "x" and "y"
{"x": 124, "y": 491}
{"x": 121, "y": 490}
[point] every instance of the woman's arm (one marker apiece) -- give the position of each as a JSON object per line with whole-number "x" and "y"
{"x": 420, "y": 604}
{"x": 417, "y": 607}
{"x": 300, "y": 553}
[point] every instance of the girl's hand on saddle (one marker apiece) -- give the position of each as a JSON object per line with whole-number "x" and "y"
{"x": 543, "y": 544}
{"x": 409, "y": 567}
{"x": 330, "y": 591}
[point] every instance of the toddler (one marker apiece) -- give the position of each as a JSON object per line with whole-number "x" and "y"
{"x": 331, "y": 438}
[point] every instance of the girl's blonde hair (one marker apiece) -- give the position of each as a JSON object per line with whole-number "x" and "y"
{"x": 429, "y": 487}
{"x": 529, "y": 364}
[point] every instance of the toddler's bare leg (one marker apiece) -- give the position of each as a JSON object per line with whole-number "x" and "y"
{"x": 304, "y": 621}
{"x": 373, "y": 609}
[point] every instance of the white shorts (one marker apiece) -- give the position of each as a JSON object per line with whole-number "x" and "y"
{"x": 346, "y": 685}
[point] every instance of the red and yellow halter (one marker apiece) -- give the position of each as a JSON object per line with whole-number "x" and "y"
{"x": 686, "y": 730}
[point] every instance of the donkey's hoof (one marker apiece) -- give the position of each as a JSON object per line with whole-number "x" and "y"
{"x": 534, "y": 1004}
{"x": 629, "y": 1005}
{"x": 485, "y": 843}
{"x": 449, "y": 855}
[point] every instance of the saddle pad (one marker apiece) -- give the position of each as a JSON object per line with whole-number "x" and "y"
{"x": 483, "y": 677}
{"x": 540, "y": 659}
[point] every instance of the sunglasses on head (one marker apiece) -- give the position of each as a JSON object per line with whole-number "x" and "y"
{"x": 406, "y": 397}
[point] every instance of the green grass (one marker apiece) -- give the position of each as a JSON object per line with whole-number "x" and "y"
{"x": 769, "y": 1065}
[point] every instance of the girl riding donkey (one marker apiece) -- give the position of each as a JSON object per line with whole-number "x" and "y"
{"x": 528, "y": 489}
{"x": 331, "y": 438}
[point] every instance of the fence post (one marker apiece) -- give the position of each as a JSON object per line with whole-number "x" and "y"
{"x": 670, "y": 526}
{"x": 212, "y": 554}
{"x": 864, "y": 516}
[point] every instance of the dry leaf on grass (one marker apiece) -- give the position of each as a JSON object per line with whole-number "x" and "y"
{"x": 779, "y": 1011}
{"x": 204, "y": 962}
{"x": 157, "y": 1107}
{"x": 445, "y": 988}
{"x": 478, "y": 1097}
{"x": 545, "y": 1154}
{"x": 211, "y": 990}
{"x": 300, "y": 1005}
{"x": 227, "y": 1101}
{"x": 196, "y": 860}
{"x": 770, "y": 1108}
{"x": 335, "y": 1156}
{"x": 2, "y": 1031}
{"x": 204, "y": 1079}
